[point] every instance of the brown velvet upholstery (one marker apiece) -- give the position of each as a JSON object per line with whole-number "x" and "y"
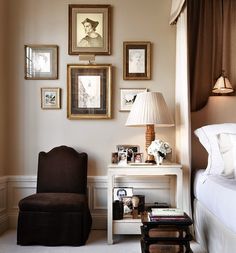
{"x": 58, "y": 214}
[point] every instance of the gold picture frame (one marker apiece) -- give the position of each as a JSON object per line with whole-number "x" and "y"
{"x": 89, "y": 91}
{"x": 136, "y": 60}
{"x": 89, "y": 29}
{"x": 41, "y": 62}
{"x": 51, "y": 98}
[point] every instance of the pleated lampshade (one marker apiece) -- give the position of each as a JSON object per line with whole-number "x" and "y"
{"x": 150, "y": 108}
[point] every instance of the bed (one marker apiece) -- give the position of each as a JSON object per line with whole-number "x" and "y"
{"x": 214, "y": 175}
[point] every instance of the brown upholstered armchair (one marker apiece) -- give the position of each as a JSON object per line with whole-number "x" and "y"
{"x": 58, "y": 214}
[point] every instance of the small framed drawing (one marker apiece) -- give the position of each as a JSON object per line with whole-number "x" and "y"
{"x": 89, "y": 91}
{"x": 50, "y": 98}
{"x": 41, "y": 62}
{"x": 137, "y": 60}
{"x": 89, "y": 29}
{"x": 127, "y": 98}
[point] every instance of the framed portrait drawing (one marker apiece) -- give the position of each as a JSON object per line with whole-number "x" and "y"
{"x": 89, "y": 91}
{"x": 89, "y": 29}
{"x": 50, "y": 98}
{"x": 41, "y": 62}
{"x": 136, "y": 60}
{"x": 128, "y": 96}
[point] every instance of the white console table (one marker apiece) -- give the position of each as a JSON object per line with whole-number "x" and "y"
{"x": 129, "y": 225}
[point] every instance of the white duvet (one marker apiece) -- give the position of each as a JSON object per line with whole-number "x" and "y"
{"x": 218, "y": 194}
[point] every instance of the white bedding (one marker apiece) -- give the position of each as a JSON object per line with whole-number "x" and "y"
{"x": 218, "y": 194}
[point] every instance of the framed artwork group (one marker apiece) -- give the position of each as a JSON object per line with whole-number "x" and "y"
{"x": 88, "y": 85}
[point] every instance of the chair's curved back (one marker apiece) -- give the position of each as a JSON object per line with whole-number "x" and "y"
{"x": 62, "y": 169}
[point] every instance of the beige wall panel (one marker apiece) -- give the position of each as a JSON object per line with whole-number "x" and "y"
{"x": 3, "y": 86}
{"x": 32, "y": 129}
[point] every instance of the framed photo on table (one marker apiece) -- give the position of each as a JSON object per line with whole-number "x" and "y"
{"x": 128, "y": 96}
{"x": 41, "y": 62}
{"x": 89, "y": 29}
{"x": 50, "y": 98}
{"x": 136, "y": 60}
{"x": 89, "y": 91}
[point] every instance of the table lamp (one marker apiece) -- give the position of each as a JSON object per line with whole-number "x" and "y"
{"x": 149, "y": 109}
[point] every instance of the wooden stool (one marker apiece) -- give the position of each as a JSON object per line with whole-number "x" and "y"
{"x": 166, "y": 233}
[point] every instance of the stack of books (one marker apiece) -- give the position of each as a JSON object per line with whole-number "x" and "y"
{"x": 166, "y": 213}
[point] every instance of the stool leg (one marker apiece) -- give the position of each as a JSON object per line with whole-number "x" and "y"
{"x": 144, "y": 246}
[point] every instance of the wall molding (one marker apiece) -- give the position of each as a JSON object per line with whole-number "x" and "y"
{"x": 13, "y": 188}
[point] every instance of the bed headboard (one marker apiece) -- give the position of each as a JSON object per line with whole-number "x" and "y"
{"x": 219, "y": 109}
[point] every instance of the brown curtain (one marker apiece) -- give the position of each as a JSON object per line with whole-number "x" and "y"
{"x": 229, "y": 40}
{"x": 209, "y": 53}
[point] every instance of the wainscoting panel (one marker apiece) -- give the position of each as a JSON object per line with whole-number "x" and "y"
{"x": 14, "y": 188}
{"x": 3, "y": 204}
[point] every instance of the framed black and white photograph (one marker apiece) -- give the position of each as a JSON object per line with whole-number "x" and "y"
{"x": 122, "y": 158}
{"x": 136, "y": 60}
{"x": 41, "y": 62}
{"x": 89, "y": 91}
{"x": 138, "y": 157}
{"x": 89, "y": 29}
{"x": 50, "y": 98}
{"x": 120, "y": 192}
{"x": 128, "y": 96}
{"x": 114, "y": 158}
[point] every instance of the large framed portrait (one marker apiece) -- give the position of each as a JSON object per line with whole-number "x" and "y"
{"x": 89, "y": 29}
{"x": 128, "y": 96}
{"x": 136, "y": 60}
{"x": 41, "y": 62}
{"x": 89, "y": 91}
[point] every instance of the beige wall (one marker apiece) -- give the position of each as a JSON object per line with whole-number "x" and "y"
{"x": 3, "y": 87}
{"x": 31, "y": 129}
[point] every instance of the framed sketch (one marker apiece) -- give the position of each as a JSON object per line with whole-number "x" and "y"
{"x": 41, "y": 62}
{"x": 136, "y": 60}
{"x": 127, "y": 97}
{"x": 50, "y": 98}
{"x": 89, "y": 91}
{"x": 89, "y": 29}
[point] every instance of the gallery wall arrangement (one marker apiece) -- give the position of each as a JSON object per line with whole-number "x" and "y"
{"x": 89, "y": 85}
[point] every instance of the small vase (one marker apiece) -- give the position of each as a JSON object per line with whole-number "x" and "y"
{"x": 159, "y": 159}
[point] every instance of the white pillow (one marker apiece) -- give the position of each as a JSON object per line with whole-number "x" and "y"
{"x": 227, "y": 152}
{"x": 208, "y": 137}
{"x": 233, "y": 141}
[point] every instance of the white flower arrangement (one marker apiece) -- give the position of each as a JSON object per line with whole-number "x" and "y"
{"x": 159, "y": 148}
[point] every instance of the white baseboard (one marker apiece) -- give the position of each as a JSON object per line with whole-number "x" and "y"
{"x": 14, "y": 188}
